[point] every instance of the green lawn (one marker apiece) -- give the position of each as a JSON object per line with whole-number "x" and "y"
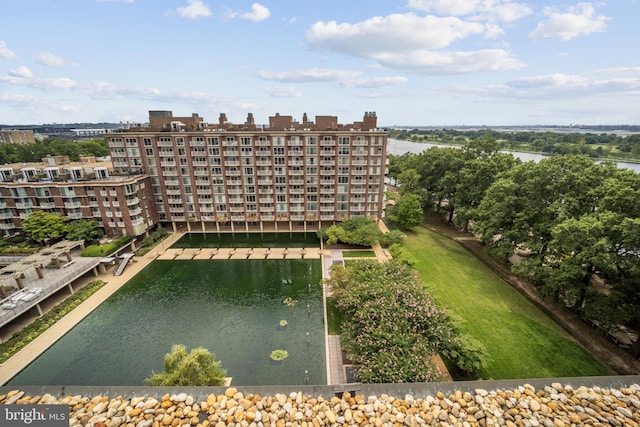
{"x": 358, "y": 254}
{"x": 521, "y": 341}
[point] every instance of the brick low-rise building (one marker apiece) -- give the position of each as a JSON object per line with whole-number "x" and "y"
{"x": 121, "y": 204}
{"x": 286, "y": 176}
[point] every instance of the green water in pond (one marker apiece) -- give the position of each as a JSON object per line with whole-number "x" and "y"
{"x": 230, "y": 307}
{"x": 248, "y": 240}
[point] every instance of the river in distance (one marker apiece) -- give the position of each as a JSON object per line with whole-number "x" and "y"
{"x": 399, "y": 147}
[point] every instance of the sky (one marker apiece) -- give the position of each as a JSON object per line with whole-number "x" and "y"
{"x": 412, "y": 62}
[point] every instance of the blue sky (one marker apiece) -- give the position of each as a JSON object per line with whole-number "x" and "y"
{"x": 413, "y": 62}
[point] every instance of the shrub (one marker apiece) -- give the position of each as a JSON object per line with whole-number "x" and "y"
{"x": 197, "y": 368}
{"x": 106, "y": 249}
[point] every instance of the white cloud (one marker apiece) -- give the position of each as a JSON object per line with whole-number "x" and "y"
{"x": 51, "y": 60}
{"x": 5, "y": 52}
{"x": 21, "y": 72}
{"x": 410, "y": 42}
{"x": 311, "y": 75}
{"x": 392, "y": 33}
{"x": 283, "y": 92}
{"x": 115, "y": 1}
{"x": 258, "y": 13}
{"x": 577, "y": 20}
{"x": 346, "y": 78}
{"x": 490, "y": 10}
{"x": 196, "y": 9}
{"x": 432, "y": 62}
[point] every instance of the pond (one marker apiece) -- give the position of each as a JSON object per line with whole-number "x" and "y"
{"x": 248, "y": 240}
{"x": 233, "y": 308}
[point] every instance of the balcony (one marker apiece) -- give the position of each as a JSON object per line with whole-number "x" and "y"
{"x": 174, "y": 192}
{"x": 3, "y": 205}
{"x": 167, "y": 163}
{"x": 235, "y": 199}
{"x": 201, "y": 173}
{"x": 259, "y": 143}
{"x": 6, "y": 215}
{"x": 7, "y": 226}
{"x": 24, "y": 205}
{"x": 133, "y": 201}
{"x": 198, "y": 153}
{"x": 358, "y": 191}
{"x": 51, "y": 205}
{"x": 328, "y": 153}
{"x": 75, "y": 215}
{"x": 266, "y": 200}
{"x": 267, "y": 209}
{"x": 296, "y": 181}
{"x": 327, "y": 182}
{"x": 72, "y": 205}
{"x": 295, "y": 173}
{"x": 116, "y": 143}
{"x": 203, "y": 191}
{"x": 360, "y": 173}
{"x": 295, "y": 153}
{"x": 327, "y": 200}
{"x": 327, "y": 208}
{"x": 266, "y": 191}
{"x": 233, "y": 143}
{"x": 295, "y": 163}
{"x": 231, "y": 163}
{"x": 265, "y": 182}
{"x": 206, "y": 209}
{"x": 138, "y": 227}
{"x": 238, "y": 218}
{"x": 203, "y": 182}
{"x": 169, "y": 173}
{"x": 359, "y": 163}
{"x": 135, "y": 211}
{"x": 194, "y": 143}
{"x": 267, "y": 218}
{"x": 297, "y": 217}
{"x": 328, "y": 143}
{"x": 232, "y": 173}
{"x": 264, "y": 163}
{"x": 327, "y": 217}
{"x": 296, "y": 191}
{"x": 264, "y": 172}
{"x": 234, "y": 191}
{"x": 327, "y": 190}
{"x": 165, "y": 144}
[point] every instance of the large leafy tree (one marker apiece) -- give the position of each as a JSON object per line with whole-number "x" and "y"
{"x": 41, "y": 226}
{"x": 83, "y": 230}
{"x": 408, "y": 211}
{"x": 197, "y": 368}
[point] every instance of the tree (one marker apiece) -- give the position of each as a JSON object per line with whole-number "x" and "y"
{"x": 408, "y": 211}
{"x": 409, "y": 181}
{"x": 83, "y": 230}
{"x": 41, "y": 226}
{"x": 198, "y": 368}
{"x": 357, "y": 230}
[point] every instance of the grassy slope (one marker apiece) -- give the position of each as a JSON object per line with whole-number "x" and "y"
{"x": 521, "y": 341}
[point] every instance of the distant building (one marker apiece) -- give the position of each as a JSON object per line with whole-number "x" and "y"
{"x": 16, "y": 137}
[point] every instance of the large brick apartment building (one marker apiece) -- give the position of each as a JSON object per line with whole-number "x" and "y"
{"x": 288, "y": 175}
{"x": 190, "y": 175}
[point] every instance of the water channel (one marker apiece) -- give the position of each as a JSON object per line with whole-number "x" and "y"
{"x": 399, "y": 147}
{"x": 233, "y": 308}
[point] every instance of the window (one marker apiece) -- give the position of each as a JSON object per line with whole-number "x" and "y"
{"x": 148, "y": 151}
{"x": 212, "y": 140}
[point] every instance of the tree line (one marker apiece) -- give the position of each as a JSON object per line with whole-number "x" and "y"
{"x": 569, "y": 225}
{"x": 27, "y": 153}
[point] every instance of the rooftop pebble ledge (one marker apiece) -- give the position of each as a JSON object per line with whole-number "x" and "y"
{"x": 553, "y": 405}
